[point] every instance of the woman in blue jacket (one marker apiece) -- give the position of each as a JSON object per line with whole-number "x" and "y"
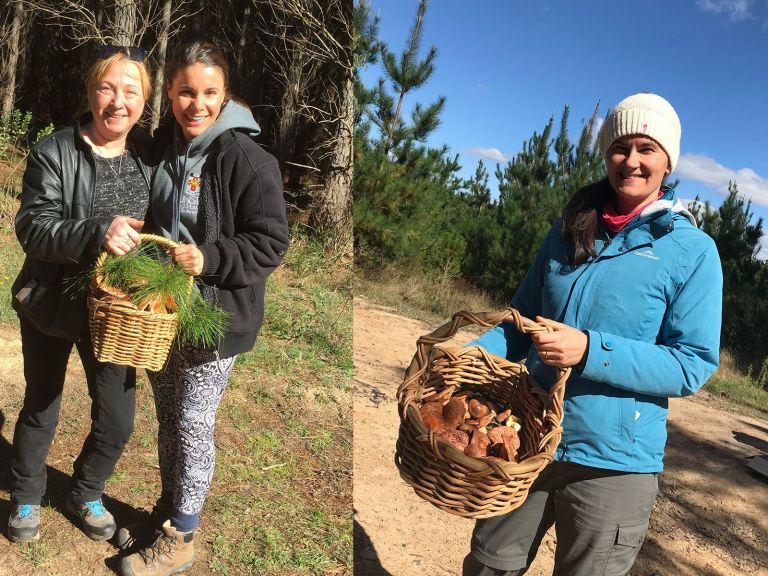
{"x": 633, "y": 290}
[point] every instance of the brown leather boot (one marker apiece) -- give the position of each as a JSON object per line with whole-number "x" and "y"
{"x": 133, "y": 537}
{"x": 172, "y": 552}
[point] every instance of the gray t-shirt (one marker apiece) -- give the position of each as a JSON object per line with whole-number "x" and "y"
{"x": 120, "y": 188}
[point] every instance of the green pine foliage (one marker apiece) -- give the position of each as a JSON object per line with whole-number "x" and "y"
{"x": 745, "y": 277}
{"x": 412, "y": 210}
{"x": 533, "y": 189}
{"x": 405, "y": 193}
{"x": 480, "y": 228}
{"x": 367, "y": 47}
{"x": 146, "y": 273}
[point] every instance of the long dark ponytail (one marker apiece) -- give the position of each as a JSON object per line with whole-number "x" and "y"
{"x": 581, "y": 216}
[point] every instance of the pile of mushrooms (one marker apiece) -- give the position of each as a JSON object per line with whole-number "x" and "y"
{"x": 472, "y": 424}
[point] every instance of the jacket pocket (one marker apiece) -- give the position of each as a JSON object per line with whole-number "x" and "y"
{"x": 627, "y": 417}
{"x": 41, "y": 295}
{"x": 246, "y": 307}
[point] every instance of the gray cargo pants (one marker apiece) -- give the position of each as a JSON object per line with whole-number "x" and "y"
{"x": 600, "y": 516}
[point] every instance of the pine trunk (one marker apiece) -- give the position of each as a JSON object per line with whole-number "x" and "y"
{"x": 159, "y": 83}
{"x": 9, "y": 92}
{"x": 335, "y": 206}
{"x": 125, "y": 22}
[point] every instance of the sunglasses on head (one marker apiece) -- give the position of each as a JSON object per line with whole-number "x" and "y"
{"x": 133, "y": 52}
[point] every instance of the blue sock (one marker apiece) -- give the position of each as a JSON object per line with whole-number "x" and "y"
{"x": 185, "y": 522}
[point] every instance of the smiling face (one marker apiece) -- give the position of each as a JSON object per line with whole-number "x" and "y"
{"x": 196, "y": 93}
{"x": 116, "y": 100}
{"x": 636, "y": 166}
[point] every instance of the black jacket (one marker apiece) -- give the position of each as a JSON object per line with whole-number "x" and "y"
{"x": 57, "y": 232}
{"x": 245, "y": 227}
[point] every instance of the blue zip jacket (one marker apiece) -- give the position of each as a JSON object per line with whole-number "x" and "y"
{"x": 651, "y": 304}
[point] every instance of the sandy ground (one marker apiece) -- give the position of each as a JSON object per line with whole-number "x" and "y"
{"x": 711, "y": 517}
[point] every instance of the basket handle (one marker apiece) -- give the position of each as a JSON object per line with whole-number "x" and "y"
{"x": 144, "y": 238}
{"x": 487, "y": 320}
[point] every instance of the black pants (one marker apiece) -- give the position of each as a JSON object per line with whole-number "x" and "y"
{"x": 112, "y": 390}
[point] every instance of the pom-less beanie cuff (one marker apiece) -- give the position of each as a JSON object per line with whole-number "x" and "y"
{"x": 646, "y": 114}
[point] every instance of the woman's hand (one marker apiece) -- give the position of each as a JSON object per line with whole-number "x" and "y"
{"x": 189, "y": 257}
{"x": 122, "y": 235}
{"x": 562, "y": 348}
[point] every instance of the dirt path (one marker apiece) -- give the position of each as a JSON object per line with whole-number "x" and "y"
{"x": 711, "y": 517}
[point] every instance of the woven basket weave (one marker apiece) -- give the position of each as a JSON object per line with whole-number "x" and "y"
{"x": 441, "y": 474}
{"x": 123, "y": 334}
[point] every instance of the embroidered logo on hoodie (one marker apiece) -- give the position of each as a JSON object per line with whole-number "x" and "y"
{"x": 191, "y": 195}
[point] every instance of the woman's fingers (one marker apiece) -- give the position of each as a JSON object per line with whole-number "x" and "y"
{"x": 189, "y": 257}
{"x": 562, "y": 348}
{"x": 122, "y": 235}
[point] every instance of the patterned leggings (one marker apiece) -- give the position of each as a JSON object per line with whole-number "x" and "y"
{"x": 187, "y": 394}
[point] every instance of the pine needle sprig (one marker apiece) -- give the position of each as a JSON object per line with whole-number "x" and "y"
{"x": 201, "y": 322}
{"x": 146, "y": 272}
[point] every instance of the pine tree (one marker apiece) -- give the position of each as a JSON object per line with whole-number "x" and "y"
{"x": 533, "y": 189}
{"x": 405, "y": 74}
{"x": 367, "y": 47}
{"x": 480, "y": 227}
{"x": 745, "y": 277}
{"x": 405, "y": 203}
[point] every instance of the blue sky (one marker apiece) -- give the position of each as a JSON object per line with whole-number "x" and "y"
{"x": 507, "y": 66}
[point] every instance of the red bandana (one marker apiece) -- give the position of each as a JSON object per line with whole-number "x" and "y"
{"x": 616, "y": 222}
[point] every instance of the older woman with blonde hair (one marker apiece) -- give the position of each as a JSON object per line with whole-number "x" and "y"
{"x": 85, "y": 189}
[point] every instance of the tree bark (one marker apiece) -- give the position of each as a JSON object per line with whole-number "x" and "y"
{"x": 243, "y": 40}
{"x": 125, "y": 22}
{"x": 288, "y": 125}
{"x": 9, "y": 91}
{"x": 162, "y": 47}
{"x": 335, "y": 207}
{"x": 99, "y": 17}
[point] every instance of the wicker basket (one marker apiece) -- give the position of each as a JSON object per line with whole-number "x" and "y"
{"x": 123, "y": 334}
{"x": 441, "y": 474}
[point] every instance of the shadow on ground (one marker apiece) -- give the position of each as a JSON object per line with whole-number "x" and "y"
{"x": 737, "y": 539}
{"x": 366, "y": 560}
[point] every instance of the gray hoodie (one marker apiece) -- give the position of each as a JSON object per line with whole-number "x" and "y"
{"x": 176, "y": 184}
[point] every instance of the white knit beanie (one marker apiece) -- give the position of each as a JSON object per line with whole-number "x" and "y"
{"x": 645, "y": 114}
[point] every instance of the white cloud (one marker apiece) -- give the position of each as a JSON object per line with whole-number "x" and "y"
{"x": 736, "y": 10}
{"x": 491, "y": 154}
{"x": 714, "y": 175}
{"x": 762, "y": 254}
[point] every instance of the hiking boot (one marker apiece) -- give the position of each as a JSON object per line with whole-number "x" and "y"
{"x": 95, "y": 520}
{"x": 24, "y": 523}
{"x": 172, "y": 552}
{"x": 141, "y": 534}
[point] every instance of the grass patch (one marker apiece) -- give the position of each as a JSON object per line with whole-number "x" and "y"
{"x": 11, "y": 259}
{"x": 731, "y": 383}
{"x": 431, "y": 300}
{"x": 299, "y": 540}
{"x": 36, "y": 553}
